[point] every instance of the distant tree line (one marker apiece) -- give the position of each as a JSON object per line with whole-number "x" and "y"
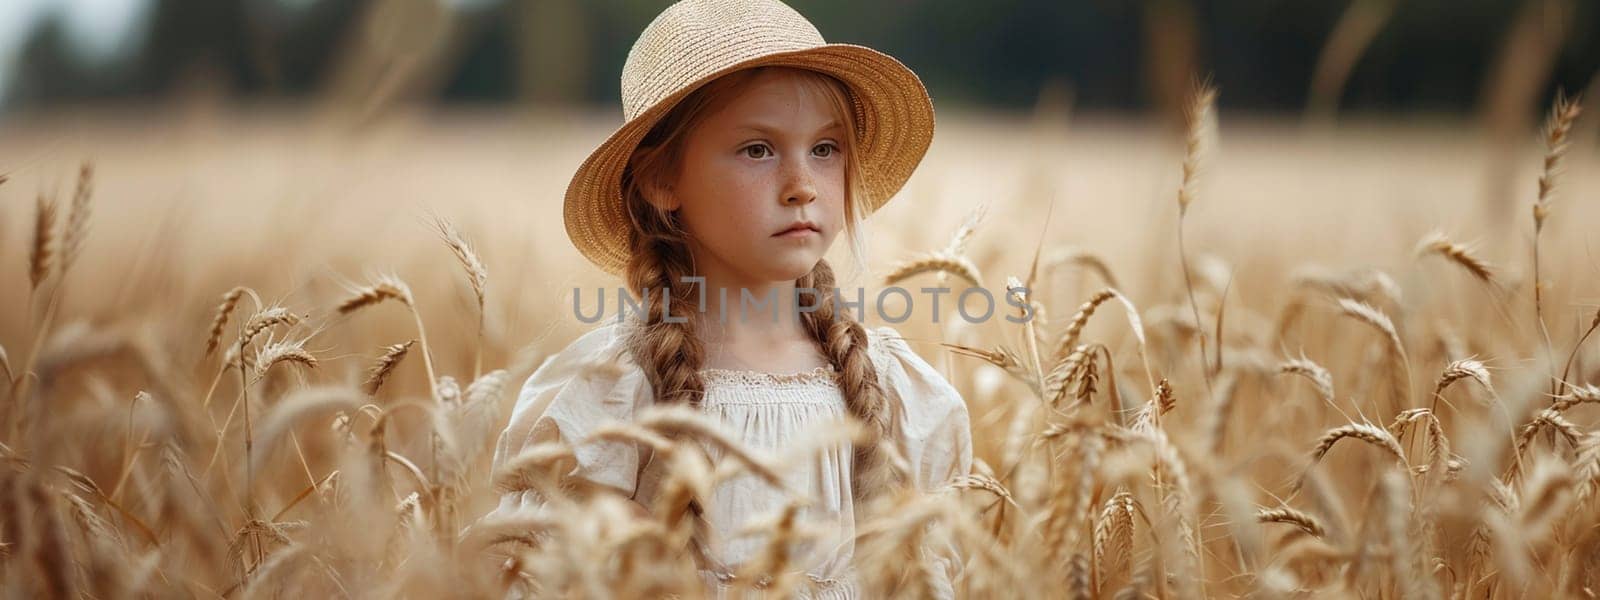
{"x": 1369, "y": 55}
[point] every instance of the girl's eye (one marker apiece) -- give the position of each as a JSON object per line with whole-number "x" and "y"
{"x": 757, "y": 151}
{"x": 825, "y": 150}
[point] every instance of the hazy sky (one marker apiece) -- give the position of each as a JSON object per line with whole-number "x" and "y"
{"x": 99, "y": 30}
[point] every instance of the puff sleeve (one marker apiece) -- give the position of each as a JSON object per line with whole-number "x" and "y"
{"x": 588, "y": 383}
{"x": 936, "y": 430}
{"x": 933, "y": 416}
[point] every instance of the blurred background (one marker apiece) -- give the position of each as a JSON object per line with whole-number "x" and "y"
{"x": 1280, "y": 56}
{"x": 297, "y": 145}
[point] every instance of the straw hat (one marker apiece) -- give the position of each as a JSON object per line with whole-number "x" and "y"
{"x": 695, "y": 41}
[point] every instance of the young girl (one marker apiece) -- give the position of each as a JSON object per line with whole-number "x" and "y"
{"x": 749, "y": 146}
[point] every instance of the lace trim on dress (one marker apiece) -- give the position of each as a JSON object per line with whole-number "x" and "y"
{"x": 819, "y": 375}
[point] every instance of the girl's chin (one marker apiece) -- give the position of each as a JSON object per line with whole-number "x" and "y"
{"x": 789, "y": 268}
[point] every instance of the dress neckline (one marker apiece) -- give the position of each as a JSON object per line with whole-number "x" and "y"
{"x": 822, "y": 374}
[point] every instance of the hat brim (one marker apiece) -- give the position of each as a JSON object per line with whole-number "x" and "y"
{"x": 895, "y": 121}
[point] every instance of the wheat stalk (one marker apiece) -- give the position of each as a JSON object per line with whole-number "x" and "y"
{"x": 1158, "y": 405}
{"x": 42, "y": 251}
{"x": 1015, "y": 291}
{"x": 1562, "y": 115}
{"x": 1438, "y": 444}
{"x": 1463, "y": 369}
{"x": 385, "y": 365}
{"x": 1546, "y": 419}
{"x": 1438, "y": 243}
{"x": 477, "y": 276}
{"x": 1370, "y": 315}
{"x": 1370, "y": 434}
{"x": 389, "y": 287}
{"x": 677, "y": 420}
{"x": 77, "y": 227}
{"x": 1080, "y": 319}
{"x": 1198, "y": 115}
{"x": 942, "y": 264}
{"x": 286, "y": 351}
{"x": 1290, "y": 516}
{"x": 1456, "y": 371}
{"x": 969, "y": 226}
{"x": 1114, "y": 536}
{"x": 1321, "y": 380}
{"x": 1071, "y": 368}
{"x": 1579, "y": 395}
{"x": 979, "y": 481}
{"x": 385, "y": 287}
{"x": 1586, "y": 470}
{"x": 267, "y": 319}
{"x": 230, "y": 300}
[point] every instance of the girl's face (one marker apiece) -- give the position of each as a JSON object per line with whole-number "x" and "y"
{"x": 765, "y": 160}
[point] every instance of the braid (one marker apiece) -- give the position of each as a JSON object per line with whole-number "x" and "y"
{"x": 670, "y": 353}
{"x": 844, "y": 340}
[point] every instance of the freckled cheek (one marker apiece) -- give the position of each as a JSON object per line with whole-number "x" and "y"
{"x": 739, "y": 205}
{"x": 730, "y": 183}
{"x": 714, "y": 192}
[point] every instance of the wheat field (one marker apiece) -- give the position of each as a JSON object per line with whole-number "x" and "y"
{"x": 1270, "y": 359}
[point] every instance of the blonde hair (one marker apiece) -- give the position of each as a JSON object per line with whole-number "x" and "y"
{"x": 671, "y": 353}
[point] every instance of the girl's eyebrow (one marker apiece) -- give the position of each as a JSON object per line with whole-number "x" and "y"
{"x": 770, "y": 130}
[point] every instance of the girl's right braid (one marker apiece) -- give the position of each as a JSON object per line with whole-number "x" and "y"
{"x": 670, "y": 353}
{"x": 844, "y": 340}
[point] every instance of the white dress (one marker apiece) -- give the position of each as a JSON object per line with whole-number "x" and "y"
{"x": 594, "y": 380}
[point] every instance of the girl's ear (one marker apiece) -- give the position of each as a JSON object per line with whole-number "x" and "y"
{"x": 650, "y": 180}
{"x": 660, "y": 196}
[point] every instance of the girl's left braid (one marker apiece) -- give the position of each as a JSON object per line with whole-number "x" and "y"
{"x": 844, "y": 340}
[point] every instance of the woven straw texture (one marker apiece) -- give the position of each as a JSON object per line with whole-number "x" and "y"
{"x": 695, "y": 41}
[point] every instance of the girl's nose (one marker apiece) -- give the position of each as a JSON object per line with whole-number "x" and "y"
{"x": 798, "y": 187}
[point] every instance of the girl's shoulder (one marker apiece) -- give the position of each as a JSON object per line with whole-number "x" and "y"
{"x": 602, "y": 347}
{"x": 906, "y": 375}
{"x": 593, "y": 371}
{"x": 599, "y": 347}
{"x": 584, "y": 386}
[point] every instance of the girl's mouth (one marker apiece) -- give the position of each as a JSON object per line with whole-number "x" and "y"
{"x": 796, "y": 233}
{"x": 798, "y": 229}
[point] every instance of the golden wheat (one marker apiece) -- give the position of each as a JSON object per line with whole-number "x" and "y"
{"x": 42, "y": 251}
{"x": 942, "y": 264}
{"x": 348, "y": 477}
{"x": 1438, "y": 243}
{"x": 385, "y": 365}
